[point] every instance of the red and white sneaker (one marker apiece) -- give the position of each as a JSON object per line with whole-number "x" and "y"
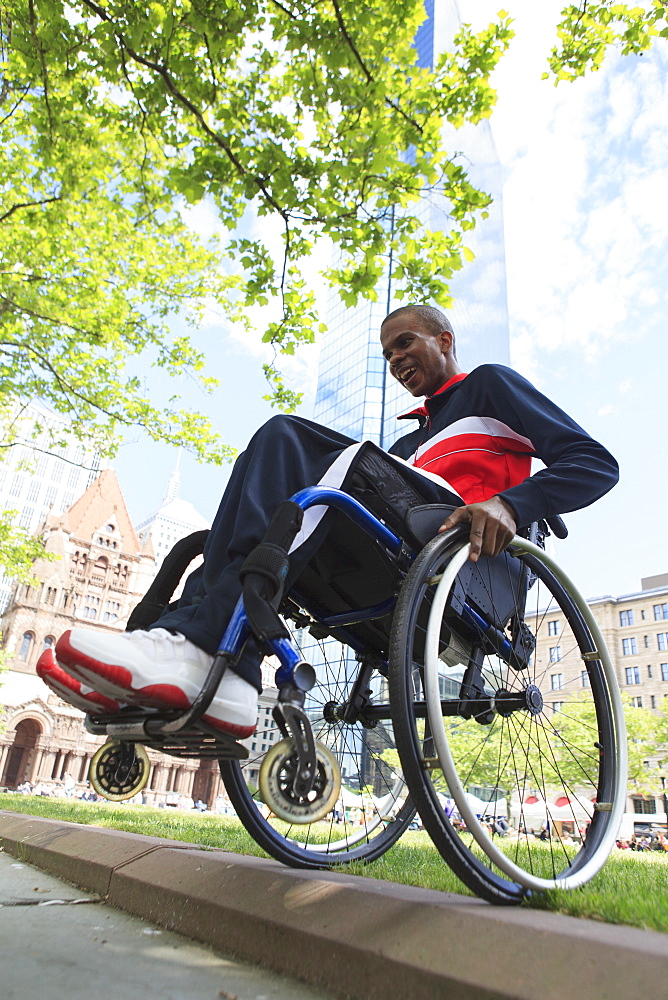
{"x": 71, "y": 690}
{"x": 157, "y": 669}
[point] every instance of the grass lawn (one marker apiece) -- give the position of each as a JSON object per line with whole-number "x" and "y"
{"x": 631, "y": 889}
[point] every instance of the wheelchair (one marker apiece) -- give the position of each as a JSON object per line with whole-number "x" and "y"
{"x": 406, "y": 676}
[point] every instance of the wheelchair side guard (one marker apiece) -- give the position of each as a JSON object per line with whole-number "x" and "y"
{"x": 265, "y": 570}
{"x": 424, "y": 520}
{"x": 159, "y": 594}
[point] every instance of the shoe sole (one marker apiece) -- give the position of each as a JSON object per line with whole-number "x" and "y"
{"x": 118, "y": 681}
{"x": 96, "y": 703}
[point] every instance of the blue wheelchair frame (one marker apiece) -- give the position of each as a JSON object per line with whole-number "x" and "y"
{"x": 238, "y": 629}
{"x": 294, "y": 677}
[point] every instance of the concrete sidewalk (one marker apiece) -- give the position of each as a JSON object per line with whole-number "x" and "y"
{"x": 359, "y": 937}
{"x": 57, "y": 941}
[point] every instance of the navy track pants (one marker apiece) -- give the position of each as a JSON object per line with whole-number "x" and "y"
{"x": 283, "y": 456}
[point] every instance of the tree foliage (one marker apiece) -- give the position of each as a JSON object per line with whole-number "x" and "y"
{"x": 588, "y": 30}
{"x": 18, "y": 550}
{"x": 94, "y": 257}
{"x": 115, "y": 113}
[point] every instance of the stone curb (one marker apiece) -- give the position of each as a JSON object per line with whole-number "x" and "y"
{"x": 364, "y": 939}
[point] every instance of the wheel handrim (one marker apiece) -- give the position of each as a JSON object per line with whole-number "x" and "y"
{"x": 477, "y": 829}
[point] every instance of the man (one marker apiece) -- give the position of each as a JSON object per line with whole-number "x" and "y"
{"x": 477, "y": 436}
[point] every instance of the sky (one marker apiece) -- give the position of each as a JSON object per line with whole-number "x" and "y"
{"x": 586, "y": 226}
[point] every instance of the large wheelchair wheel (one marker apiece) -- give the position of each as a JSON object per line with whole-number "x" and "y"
{"x": 508, "y": 719}
{"x": 372, "y": 810}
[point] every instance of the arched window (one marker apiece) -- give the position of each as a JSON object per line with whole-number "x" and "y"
{"x": 99, "y": 571}
{"x": 48, "y": 642}
{"x": 26, "y": 646}
{"x": 91, "y": 606}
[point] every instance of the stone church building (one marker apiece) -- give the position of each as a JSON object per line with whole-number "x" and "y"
{"x": 101, "y": 572}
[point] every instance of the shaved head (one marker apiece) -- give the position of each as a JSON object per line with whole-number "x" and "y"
{"x": 431, "y": 318}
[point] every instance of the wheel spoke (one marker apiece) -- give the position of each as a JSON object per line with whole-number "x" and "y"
{"x": 522, "y": 750}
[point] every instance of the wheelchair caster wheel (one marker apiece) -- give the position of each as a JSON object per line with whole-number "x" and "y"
{"x": 119, "y": 770}
{"x": 276, "y": 779}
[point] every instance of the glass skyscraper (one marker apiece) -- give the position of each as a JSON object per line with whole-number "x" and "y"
{"x": 355, "y": 393}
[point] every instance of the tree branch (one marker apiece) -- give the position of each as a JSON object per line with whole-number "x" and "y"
{"x": 365, "y": 70}
{"x": 24, "y": 443}
{"x": 181, "y": 98}
{"x": 29, "y": 204}
{"x": 5, "y": 88}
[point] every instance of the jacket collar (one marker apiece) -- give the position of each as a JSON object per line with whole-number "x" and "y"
{"x": 422, "y": 413}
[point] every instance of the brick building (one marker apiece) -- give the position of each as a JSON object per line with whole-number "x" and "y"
{"x": 101, "y": 573}
{"x": 635, "y": 629}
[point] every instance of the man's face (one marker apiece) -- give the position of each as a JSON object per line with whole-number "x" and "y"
{"x": 417, "y": 358}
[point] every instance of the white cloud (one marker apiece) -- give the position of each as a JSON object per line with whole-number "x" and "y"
{"x": 585, "y": 208}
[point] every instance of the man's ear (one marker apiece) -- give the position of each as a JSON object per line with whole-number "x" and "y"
{"x": 446, "y": 341}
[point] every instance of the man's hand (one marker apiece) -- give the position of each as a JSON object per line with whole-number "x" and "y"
{"x": 493, "y": 526}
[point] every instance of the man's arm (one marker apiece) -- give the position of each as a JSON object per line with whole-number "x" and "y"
{"x": 578, "y": 469}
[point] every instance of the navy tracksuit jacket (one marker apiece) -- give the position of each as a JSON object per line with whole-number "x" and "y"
{"x": 478, "y": 433}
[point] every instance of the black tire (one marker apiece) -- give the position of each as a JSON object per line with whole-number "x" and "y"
{"x": 118, "y": 771}
{"x": 384, "y": 815}
{"x": 520, "y": 740}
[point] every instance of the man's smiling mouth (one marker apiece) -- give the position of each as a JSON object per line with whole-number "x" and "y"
{"x": 405, "y": 374}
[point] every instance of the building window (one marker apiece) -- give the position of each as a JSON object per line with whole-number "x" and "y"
{"x": 633, "y": 675}
{"x": 586, "y": 682}
{"x": 48, "y": 642}
{"x": 636, "y": 701}
{"x": 629, "y": 647}
{"x": 16, "y": 487}
{"x": 662, "y": 640}
{"x": 660, "y": 612}
{"x": 664, "y": 671}
{"x": 112, "y": 612}
{"x": 553, "y": 628}
{"x": 652, "y": 701}
{"x": 557, "y": 681}
{"x": 26, "y": 646}
{"x": 645, "y": 806}
{"x": 555, "y": 654}
{"x": 649, "y": 670}
{"x": 626, "y": 617}
{"x": 90, "y": 607}
{"x": 26, "y": 517}
{"x": 557, "y": 706}
{"x": 646, "y": 641}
